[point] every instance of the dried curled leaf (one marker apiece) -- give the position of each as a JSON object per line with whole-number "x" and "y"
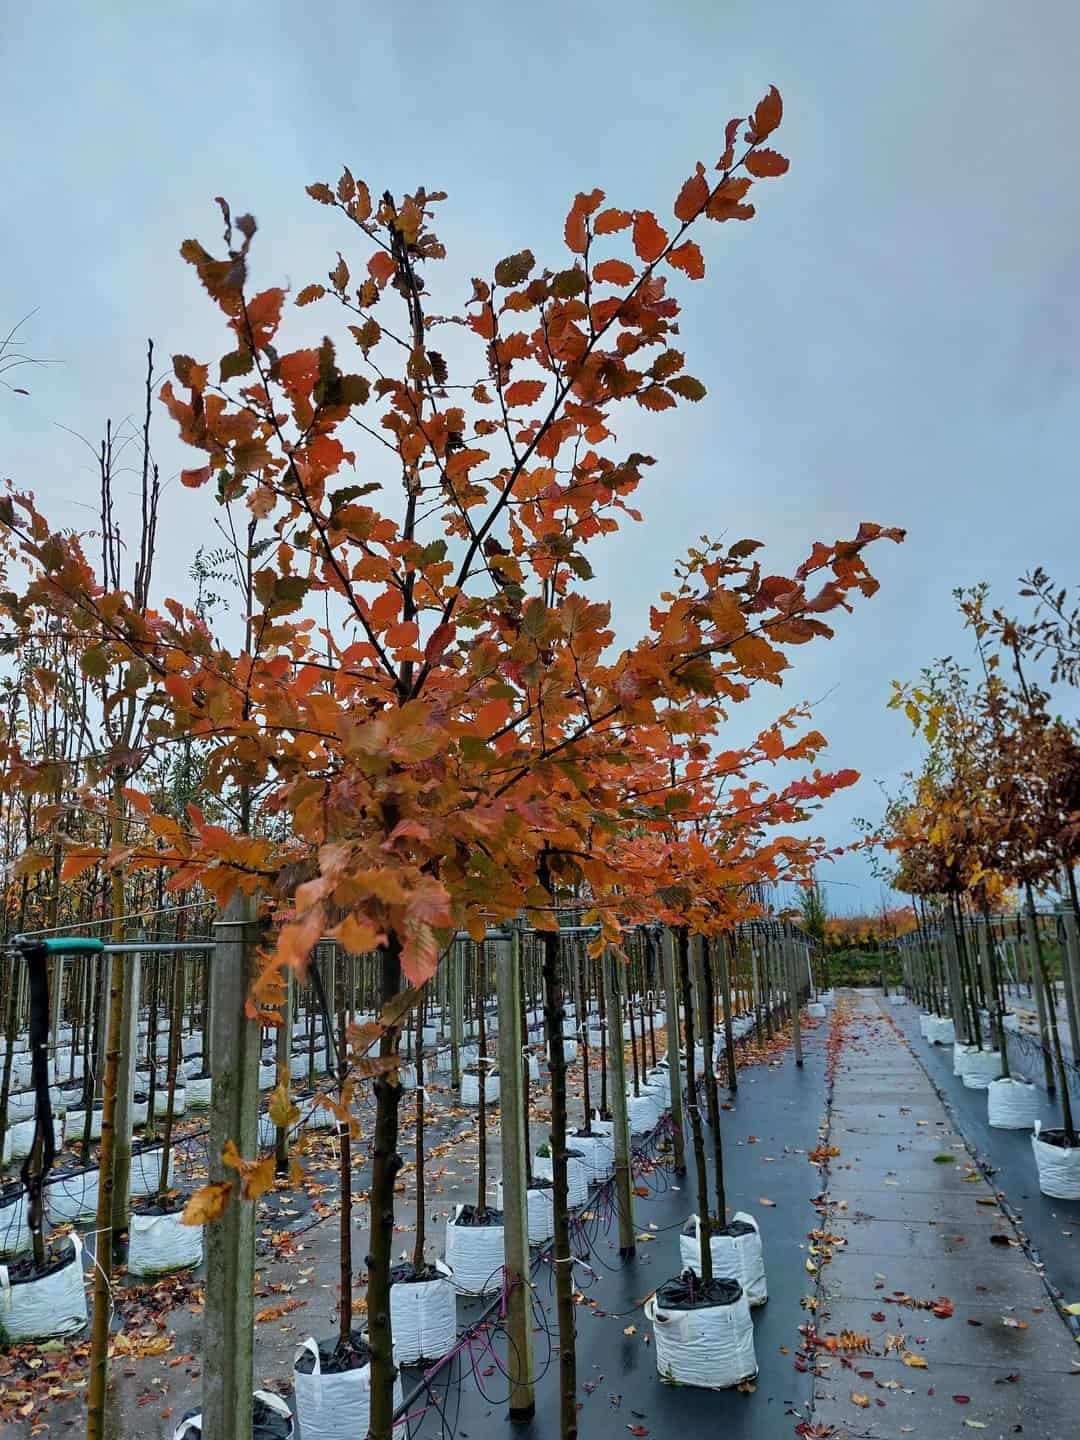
{"x": 207, "y": 1203}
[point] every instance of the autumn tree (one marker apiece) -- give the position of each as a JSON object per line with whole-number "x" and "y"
{"x": 426, "y": 695}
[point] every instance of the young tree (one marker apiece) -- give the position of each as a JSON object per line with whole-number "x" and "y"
{"x": 440, "y": 744}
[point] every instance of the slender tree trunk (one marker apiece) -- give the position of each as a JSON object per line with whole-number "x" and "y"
{"x": 583, "y": 1031}
{"x": 725, "y": 947}
{"x": 601, "y": 1001}
{"x": 176, "y": 1013}
{"x": 564, "y": 1298}
{"x": 92, "y": 1070}
{"x": 421, "y": 1189}
{"x": 1034, "y": 948}
{"x": 700, "y": 1163}
{"x": 345, "y": 1161}
{"x": 481, "y": 1045}
{"x": 1055, "y": 1033}
{"x": 103, "y": 1248}
{"x": 712, "y": 1099}
{"x": 9, "y": 1035}
{"x": 386, "y": 1163}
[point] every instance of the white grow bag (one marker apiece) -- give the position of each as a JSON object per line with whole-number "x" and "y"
{"x": 734, "y": 1257}
{"x": 642, "y": 1112}
{"x": 1059, "y": 1169}
{"x": 161, "y": 1102}
{"x": 980, "y": 1068}
{"x": 540, "y": 1205}
{"x": 76, "y": 1123}
{"x": 1011, "y": 1021}
{"x": 897, "y": 999}
{"x": 470, "y": 1088}
{"x": 815, "y": 1010}
{"x": 44, "y": 1306}
{"x": 597, "y": 1153}
{"x": 14, "y": 1226}
{"x": 267, "y": 1075}
{"x": 199, "y": 1090}
{"x": 191, "y": 1427}
{"x": 162, "y": 1244}
{"x": 21, "y": 1106}
{"x": 19, "y": 1138}
{"x": 940, "y": 1030}
{"x": 577, "y": 1176}
{"x": 924, "y": 1025}
{"x": 1012, "y": 1104}
{"x": 423, "y": 1316}
{"x": 474, "y": 1256}
{"x": 146, "y": 1171}
{"x": 72, "y": 1197}
{"x": 711, "y": 1348}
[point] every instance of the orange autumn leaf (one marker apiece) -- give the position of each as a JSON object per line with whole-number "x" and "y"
{"x": 650, "y": 238}
{"x": 614, "y": 272}
{"x": 207, "y": 1203}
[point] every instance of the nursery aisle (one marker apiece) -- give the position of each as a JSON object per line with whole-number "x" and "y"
{"x": 930, "y": 1317}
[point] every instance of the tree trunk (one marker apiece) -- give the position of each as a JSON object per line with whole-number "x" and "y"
{"x": 725, "y": 947}
{"x": 386, "y": 1163}
{"x": 345, "y": 1170}
{"x": 481, "y": 1046}
{"x": 564, "y": 1297}
{"x": 1055, "y": 1033}
{"x": 421, "y": 1190}
{"x": 99, "y": 1336}
{"x": 682, "y": 948}
{"x": 712, "y": 1099}
{"x": 176, "y": 1012}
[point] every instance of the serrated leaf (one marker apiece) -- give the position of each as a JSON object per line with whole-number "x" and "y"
{"x": 650, "y": 237}
{"x": 687, "y": 387}
{"x": 514, "y": 269}
{"x": 765, "y": 163}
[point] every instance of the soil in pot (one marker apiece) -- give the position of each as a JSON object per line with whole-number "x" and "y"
{"x": 1057, "y": 1138}
{"x": 731, "y": 1231}
{"x": 266, "y": 1422}
{"x": 408, "y": 1274}
{"x": 336, "y": 1356}
{"x": 689, "y": 1293}
{"x": 171, "y": 1203}
{"x": 474, "y": 1215}
{"x": 25, "y": 1269}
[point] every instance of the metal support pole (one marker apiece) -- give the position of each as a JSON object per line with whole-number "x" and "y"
{"x": 616, "y": 1055}
{"x": 673, "y": 1044}
{"x": 228, "y": 1344}
{"x": 513, "y": 1126}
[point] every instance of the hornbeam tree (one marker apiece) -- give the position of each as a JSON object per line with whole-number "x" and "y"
{"x": 442, "y": 741}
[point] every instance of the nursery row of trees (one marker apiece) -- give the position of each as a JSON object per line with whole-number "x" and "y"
{"x": 995, "y": 810}
{"x": 420, "y": 721}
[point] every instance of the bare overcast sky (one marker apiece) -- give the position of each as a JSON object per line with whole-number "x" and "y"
{"x": 893, "y": 338}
